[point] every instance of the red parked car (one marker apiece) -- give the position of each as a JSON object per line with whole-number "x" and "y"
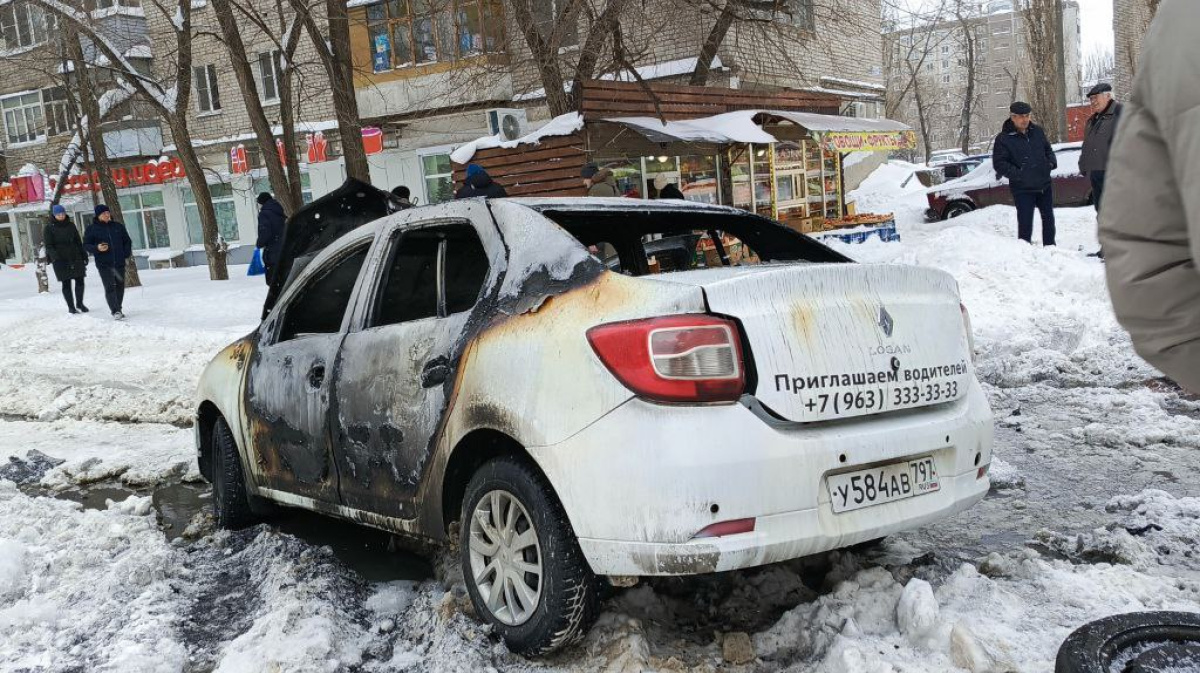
{"x": 981, "y": 188}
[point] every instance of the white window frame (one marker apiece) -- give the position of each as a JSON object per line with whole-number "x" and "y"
{"x": 273, "y": 60}
{"x": 24, "y": 123}
{"x": 425, "y": 177}
{"x": 28, "y": 24}
{"x": 204, "y": 77}
{"x": 57, "y": 109}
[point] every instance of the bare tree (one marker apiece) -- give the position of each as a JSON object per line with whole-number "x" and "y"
{"x": 968, "y": 37}
{"x": 169, "y": 97}
{"x": 1098, "y": 64}
{"x": 1043, "y": 58}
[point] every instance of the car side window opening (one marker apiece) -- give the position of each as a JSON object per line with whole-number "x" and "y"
{"x": 647, "y": 243}
{"x": 432, "y": 273}
{"x": 319, "y": 306}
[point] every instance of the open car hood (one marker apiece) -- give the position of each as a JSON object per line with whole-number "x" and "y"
{"x": 312, "y": 228}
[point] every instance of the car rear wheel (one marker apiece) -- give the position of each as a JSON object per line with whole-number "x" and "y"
{"x": 231, "y": 500}
{"x": 521, "y": 562}
{"x": 1138, "y": 642}
{"x": 955, "y": 209}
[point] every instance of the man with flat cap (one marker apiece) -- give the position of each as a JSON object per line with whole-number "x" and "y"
{"x": 1097, "y": 139}
{"x": 1022, "y": 153}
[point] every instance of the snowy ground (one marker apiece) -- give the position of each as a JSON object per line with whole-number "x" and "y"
{"x": 1095, "y": 508}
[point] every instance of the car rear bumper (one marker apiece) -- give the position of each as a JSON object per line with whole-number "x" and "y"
{"x": 638, "y": 484}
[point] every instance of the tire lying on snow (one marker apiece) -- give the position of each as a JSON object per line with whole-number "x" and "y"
{"x": 1138, "y": 642}
{"x": 521, "y": 562}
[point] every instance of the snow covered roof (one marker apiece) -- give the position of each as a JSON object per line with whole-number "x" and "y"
{"x": 562, "y": 125}
{"x": 675, "y": 68}
{"x": 740, "y": 126}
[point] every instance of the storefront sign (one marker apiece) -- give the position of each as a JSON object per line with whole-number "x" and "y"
{"x": 238, "y": 164}
{"x": 151, "y": 173}
{"x": 873, "y": 141}
{"x": 8, "y": 195}
{"x": 372, "y": 139}
{"x": 318, "y": 149}
{"x": 29, "y": 188}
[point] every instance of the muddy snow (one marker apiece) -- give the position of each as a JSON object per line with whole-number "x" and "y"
{"x": 109, "y": 561}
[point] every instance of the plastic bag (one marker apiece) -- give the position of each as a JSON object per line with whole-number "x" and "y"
{"x": 256, "y": 264}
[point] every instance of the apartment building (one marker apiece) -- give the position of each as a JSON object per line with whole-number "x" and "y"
{"x": 430, "y": 76}
{"x": 938, "y": 52}
{"x": 40, "y": 113}
{"x": 1131, "y": 20}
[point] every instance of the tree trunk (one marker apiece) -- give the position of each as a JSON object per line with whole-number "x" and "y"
{"x": 709, "y": 50}
{"x": 95, "y": 140}
{"x": 287, "y": 114}
{"x": 214, "y": 247}
{"x": 231, "y": 32}
{"x": 968, "y": 109}
{"x": 344, "y": 101}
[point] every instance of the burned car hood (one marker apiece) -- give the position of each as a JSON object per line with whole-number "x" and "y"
{"x": 312, "y": 228}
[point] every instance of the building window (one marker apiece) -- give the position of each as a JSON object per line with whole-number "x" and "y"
{"x": 406, "y": 32}
{"x": 23, "y": 118}
{"x": 945, "y": 79}
{"x": 223, "y": 203}
{"x": 802, "y": 14}
{"x": 269, "y": 69}
{"x": 439, "y": 178}
{"x": 929, "y": 67}
{"x": 945, "y": 49}
{"x": 264, "y": 185}
{"x": 24, "y": 26}
{"x": 546, "y": 12}
{"x": 146, "y": 220}
{"x": 208, "y": 97}
{"x": 945, "y": 64}
{"x": 93, "y": 5}
{"x": 57, "y": 110}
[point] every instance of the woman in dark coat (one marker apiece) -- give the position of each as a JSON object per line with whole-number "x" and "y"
{"x": 64, "y": 249}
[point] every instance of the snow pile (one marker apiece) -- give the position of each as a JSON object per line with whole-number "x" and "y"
{"x": 85, "y": 589}
{"x": 562, "y": 125}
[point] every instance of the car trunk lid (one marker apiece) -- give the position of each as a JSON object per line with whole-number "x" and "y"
{"x": 834, "y": 341}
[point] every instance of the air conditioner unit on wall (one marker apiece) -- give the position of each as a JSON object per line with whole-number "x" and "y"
{"x": 508, "y": 123}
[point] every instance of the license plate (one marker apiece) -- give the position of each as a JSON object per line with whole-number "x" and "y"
{"x": 886, "y": 483}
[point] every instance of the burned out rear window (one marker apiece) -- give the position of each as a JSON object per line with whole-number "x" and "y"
{"x": 662, "y": 241}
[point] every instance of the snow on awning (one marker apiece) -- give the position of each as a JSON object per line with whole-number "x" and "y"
{"x": 744, "y": 126}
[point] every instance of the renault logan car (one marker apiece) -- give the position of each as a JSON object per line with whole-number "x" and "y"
{"x": 525, "y": 379}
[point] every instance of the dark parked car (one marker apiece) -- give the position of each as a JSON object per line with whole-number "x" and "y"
{"x": 937, "y": 175}
{"x": 981, "y": 188}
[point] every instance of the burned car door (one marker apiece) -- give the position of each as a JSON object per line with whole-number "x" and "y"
{"x": 395, "y": 376}
{"x": 289, "y": 382}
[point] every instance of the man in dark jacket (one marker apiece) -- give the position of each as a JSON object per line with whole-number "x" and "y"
{"x": 65, "y": 251}
{"x": 1097, "y": 139}
{"x": 271, "y": 221}
{"x": 479, "y": 183}
{"x": 109, "y": 242}
{"x": 1024, "y": 156}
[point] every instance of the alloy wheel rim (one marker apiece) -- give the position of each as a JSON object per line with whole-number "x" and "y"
{"x": 506, "y": 558}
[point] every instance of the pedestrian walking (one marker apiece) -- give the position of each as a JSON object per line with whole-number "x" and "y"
{"x": 271, "y": 223}
{"x": 1097, "y": 140}
{"x": 1150, "y": 223}
{"x": 667, "y": 189}
{"x": 64, "y": 250}
{"x": 109, "y": 243}
{"x": 599, "y": 181}
{"x": 1022, "y": 153}
{"x": 401, "y": 197}
{"x": 479, "y": 183}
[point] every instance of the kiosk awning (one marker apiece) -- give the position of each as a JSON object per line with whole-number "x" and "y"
{"x": 848, "y": 134}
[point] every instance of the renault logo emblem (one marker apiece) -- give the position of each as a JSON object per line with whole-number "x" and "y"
{"x": 885, "y": 321}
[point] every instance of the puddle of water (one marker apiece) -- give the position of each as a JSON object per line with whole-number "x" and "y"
{"x": 374, "y": 554}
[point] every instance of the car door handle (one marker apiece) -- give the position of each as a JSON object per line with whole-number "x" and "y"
{"x": 316, "y": 376}
{"x": 434, "y": 373}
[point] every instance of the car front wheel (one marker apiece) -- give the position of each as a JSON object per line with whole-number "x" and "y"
{"x": 522, "y": 564}
{"x": 231, "y": 501}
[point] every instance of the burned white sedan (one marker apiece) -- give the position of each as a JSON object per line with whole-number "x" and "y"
{"x": 580, "y": 390}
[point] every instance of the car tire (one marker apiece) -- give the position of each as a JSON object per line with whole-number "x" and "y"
{"x": 232, "y": 506}
{"x": 955, "y": 209}
{"x": 1095, "y": 646}
{"x": 565, "y": 600}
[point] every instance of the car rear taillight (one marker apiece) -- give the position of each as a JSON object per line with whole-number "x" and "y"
{"x": 966, "y": 317}
{"x": 732, "y": 527}
{"x": 682, "y": 358}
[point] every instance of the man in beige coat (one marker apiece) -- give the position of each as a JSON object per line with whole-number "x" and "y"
{"x": 1150, "y": 225}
